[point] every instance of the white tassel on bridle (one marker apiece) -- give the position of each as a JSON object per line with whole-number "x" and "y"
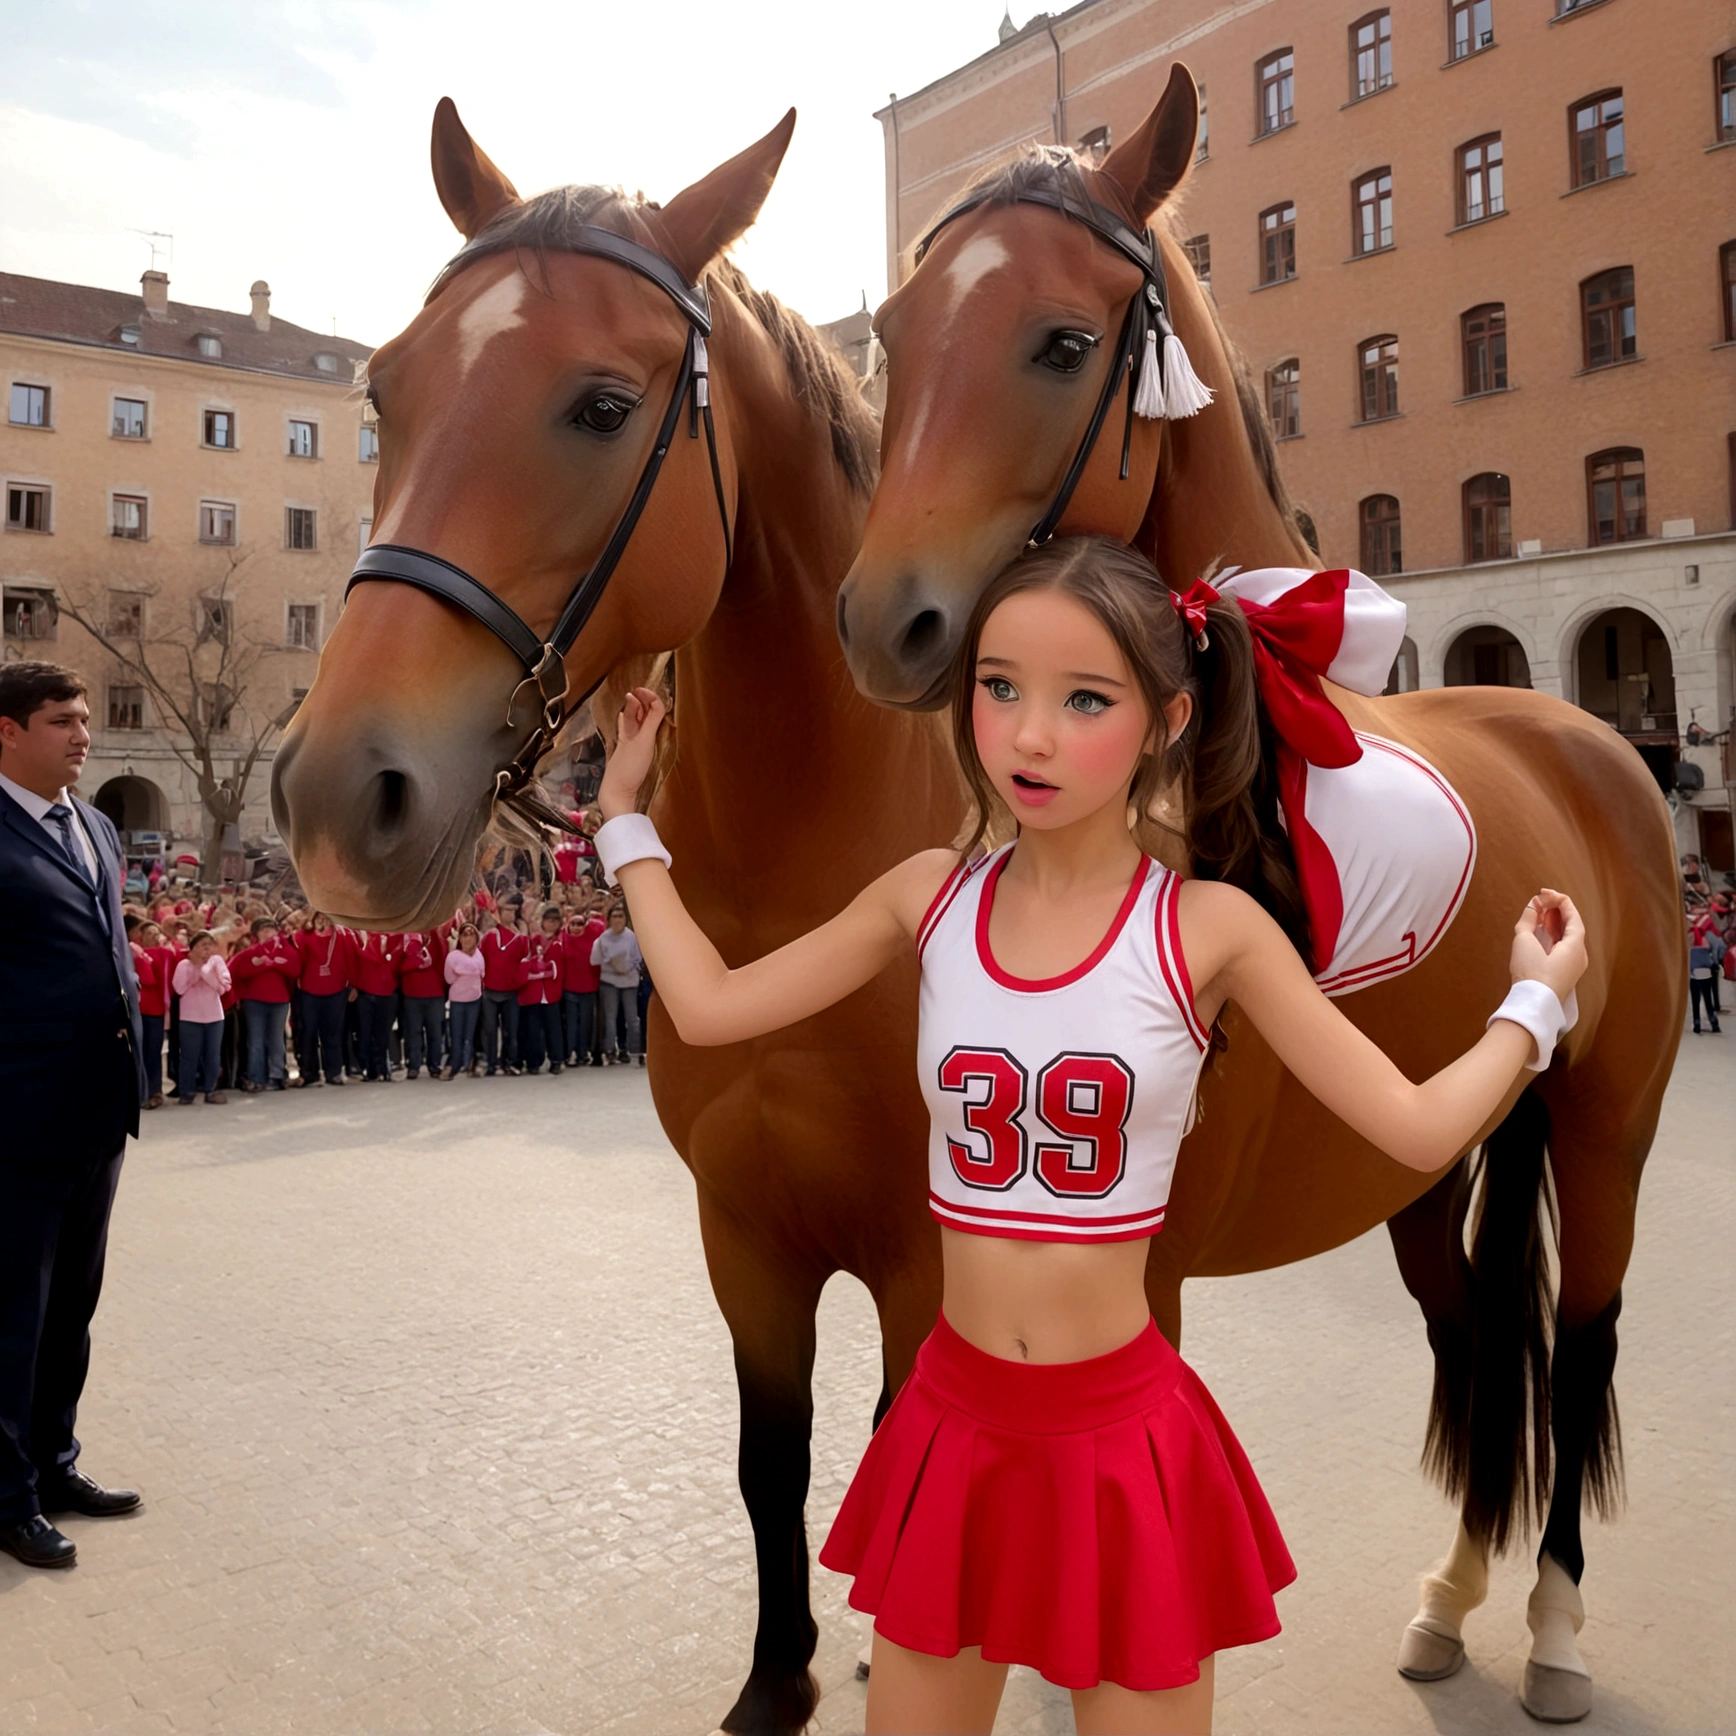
{"x": 701, "y": 373}
{"x": 1168, "y": 387}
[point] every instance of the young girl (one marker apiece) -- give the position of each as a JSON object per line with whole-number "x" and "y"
{"x": 463, "y": 972}
{"x": 1053, "y": 1486}
{"x": 201, "y": 981}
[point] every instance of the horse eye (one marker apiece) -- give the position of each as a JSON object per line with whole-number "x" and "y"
{"x": 1066, "y": 351}
{"x": 606, "y": 413}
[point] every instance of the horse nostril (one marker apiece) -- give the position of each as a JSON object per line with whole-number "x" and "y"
{"x": 391, "y": 801}
{"x": 927, "y": 629}
{"x": 843, "y": 621}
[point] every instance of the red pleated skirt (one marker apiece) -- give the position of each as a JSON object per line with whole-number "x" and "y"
{"x": 1095, "y": 1520}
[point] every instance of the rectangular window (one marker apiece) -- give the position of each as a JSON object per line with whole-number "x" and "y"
{"x": 1275, "y": 91}
{"x": 126, "y": 615}
{"x": 1199, "y": 252}
{"x": 368, "y": 449}
{"x": 1488, "y": 518}
{"x": 1284, "y": 398}
{"x": 1607, "y": 318}
{"x": 128, "y": 517}
{"x": 1481, "y": 187}
{"x": 1470, "y": 26}
{"x": 1382, "y": 553}
{"x": 220, "y": 429}
{"x": 28, "y": 406}
{"x": 26, "y": 507}
{"x": 215, "y": 617}
{"x": 1599, "y": 138}
{"x": 30, "y": 613}
{"x": 1277, "y": 243}
{"x": 303, "y": 440}
{"x": 217, "y": 522}
{"x": 209, "y": 344}
{"x": 1370, "y": 54}
{"x": 126, "y": 708}
{"x": 1377, "y": 363}
{"x": 129, "y": 419}
{"x": 302, "y": 632}
{"x": 1617, "y": 485}
{"x": 298, "y": 527}
{"x": 1484, "y": 334}
{"x": 1371, "y": 212}
{"x": 1725, "y": 69}
{"x": 1727, "y": 288}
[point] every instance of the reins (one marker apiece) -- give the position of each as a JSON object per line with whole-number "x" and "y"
{"x": 544, "y": 660}
{"x": 1166, "y": 384}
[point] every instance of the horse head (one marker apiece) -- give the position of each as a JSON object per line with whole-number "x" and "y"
{"x": 1000, "y": 347}
{"x": 521, "y": 412}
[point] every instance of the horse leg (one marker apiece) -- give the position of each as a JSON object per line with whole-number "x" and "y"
{"x": 768, "y": 1298}
{"x": 1428, "y": 1239}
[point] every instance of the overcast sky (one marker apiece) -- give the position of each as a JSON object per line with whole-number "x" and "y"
{"x": 288, "y": 139}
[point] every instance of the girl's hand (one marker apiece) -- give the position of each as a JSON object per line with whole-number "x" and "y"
{"x": 1549, "y": 944}
{"x": 630, "y": 763}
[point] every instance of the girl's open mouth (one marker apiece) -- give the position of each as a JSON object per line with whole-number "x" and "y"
{"x": 1032, "y": 791}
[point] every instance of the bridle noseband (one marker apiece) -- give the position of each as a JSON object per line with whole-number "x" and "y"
{"x": 1147, "y": 312}
{"x": 544, "y": 660}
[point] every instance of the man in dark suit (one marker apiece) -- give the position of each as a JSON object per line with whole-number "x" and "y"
{"x": 71, "y": 1079}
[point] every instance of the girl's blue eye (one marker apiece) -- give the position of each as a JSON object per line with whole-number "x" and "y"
{"x": 1091, "y": 704}
{"x": 1000, "y": 688}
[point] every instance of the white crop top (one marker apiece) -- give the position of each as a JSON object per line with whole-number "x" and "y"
{"x": 1056, "y": 1107}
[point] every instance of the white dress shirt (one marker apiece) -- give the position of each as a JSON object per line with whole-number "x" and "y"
{"x": 37, "y": 809}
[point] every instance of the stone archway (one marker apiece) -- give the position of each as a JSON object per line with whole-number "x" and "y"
{"x": 1625, "y": 675}
{"x": 1486, "y": 656}
{"x": 134, "y": 804}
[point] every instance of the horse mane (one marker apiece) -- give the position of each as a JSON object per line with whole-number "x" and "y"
{"x": 1055, "y": 168}
{"x": 819, "y": 376}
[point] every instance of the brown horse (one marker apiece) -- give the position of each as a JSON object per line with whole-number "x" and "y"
{"x": 517, "y": 409}
{"x": 980, "y": 427}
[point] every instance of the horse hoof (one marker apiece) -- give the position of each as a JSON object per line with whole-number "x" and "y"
{"x": 864, "y": 1662}
{"x": 1554, "y": 1696}
{"x": 1427, "y": 1656}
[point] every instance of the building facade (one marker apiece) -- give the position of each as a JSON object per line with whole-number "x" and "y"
{"x": 197, "y": 484}
{"x": 1481, "y": 257}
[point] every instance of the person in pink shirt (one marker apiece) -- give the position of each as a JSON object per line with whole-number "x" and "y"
{"x": 422, "y": 981}
{"x": 579, "y": 980}
{"x": 201, "y": 981}
{"x": 463, "y": 969}
{"x": 539, "y": 995}
{"x": 265, "y": 973}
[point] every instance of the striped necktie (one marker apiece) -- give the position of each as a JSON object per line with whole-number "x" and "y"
{"x": 61, "y": 815}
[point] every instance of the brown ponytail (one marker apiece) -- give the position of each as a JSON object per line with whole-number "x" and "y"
{"x": 1222, "y": 764}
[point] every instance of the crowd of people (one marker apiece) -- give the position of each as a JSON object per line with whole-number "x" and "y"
{"x": 238, "y": 992}
{"x": 1711, "y": 919}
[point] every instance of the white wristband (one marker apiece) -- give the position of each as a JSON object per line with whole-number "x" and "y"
{"x": 627, "y": 838}
{"x": 1535, "y": 1007}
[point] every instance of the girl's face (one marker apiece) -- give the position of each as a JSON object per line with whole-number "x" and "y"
{"x": 617, "y": 921}
{"x": 149, "y": 934}
{"x": 203, "y": 948}
{"x": 1059, "y": 719}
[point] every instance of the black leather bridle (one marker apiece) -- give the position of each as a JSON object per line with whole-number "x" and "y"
{"x": 1148, "y": 307}
{"x": 544, "y": 659}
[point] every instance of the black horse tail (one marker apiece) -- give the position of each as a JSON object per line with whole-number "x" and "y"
{"x": 1488, "y": 1442}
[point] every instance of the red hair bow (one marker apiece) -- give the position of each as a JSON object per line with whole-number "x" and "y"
{"x": 1191, "y": 605}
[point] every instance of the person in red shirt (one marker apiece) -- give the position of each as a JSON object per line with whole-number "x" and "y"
{"x": 146, "y": 939}
{"x": 323, "y": 987}
{"x": 579, "y": 980}
{"x": 503, "y": 952}
{"x": 376, "y": 979}
{"x": 265, "y": 972}
{"x": 422, "y": 978}
{"x": 539, "y": 995}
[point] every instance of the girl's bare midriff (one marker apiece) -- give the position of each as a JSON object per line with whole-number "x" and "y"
{"x": 1043, "y": 1301}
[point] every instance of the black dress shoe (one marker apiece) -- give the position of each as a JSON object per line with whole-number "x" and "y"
{"x": 77, "y": 1493}
{"x": 37, "y": 1544}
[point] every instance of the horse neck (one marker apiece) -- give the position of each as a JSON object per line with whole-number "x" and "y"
{"x": 774, "y": 742}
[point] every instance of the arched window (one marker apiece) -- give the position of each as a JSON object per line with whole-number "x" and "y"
{"x": 1482, "y": 185}
{"x": 1597, "y": 137}
{"x": 1488, "y": 517}
{"x": 1483, "y": 337}
{"x": 1278, "y": 242}
{"x": 1382, "y": 553}
{"x": 1284, "y": 398}
{"x": 1615, "y": 485}
{"x": 1371, "y": 212}
{"x": 1275, "y": 91}
{"x": 1606, "y": 317}
{"x": 1370, "y": 54}
{"x": 1377, "y": 371}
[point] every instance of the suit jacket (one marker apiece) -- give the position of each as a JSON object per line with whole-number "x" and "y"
{"x": 71, "y": 1047}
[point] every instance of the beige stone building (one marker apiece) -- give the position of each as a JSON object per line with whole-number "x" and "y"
{"x": 1481, "y": 254}
{"x": 179, "y": 473}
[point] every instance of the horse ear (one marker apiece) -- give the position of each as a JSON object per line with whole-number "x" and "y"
{"x": 700, "y": 222}
{"x": 1150, "y": 165}
{"x": 471, "y": 188}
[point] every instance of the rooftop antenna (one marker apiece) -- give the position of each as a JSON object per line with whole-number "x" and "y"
{"x": 152, "y": 237}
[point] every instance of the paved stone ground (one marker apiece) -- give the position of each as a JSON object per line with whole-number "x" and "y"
{"x": 435, "y": 1420}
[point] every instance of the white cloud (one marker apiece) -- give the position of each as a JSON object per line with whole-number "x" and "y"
{"x": 294, "y": 147}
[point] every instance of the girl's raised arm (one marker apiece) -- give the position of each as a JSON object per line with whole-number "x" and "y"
{"x": 709, "y": 1002}
{"x": 1242, "y": 955}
